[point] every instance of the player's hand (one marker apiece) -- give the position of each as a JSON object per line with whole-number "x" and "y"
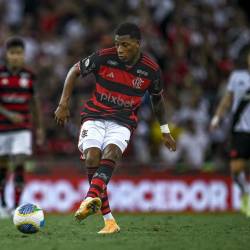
{"x": 214, "y": 124}
{"x": 40, "y": 136}
{"x": 15, "y": 117}
{"x": 62, "y": 114}
{"x": 169, "y": 141}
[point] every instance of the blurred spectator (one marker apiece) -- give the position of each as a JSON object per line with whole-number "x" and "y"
{"x": 191, "y": 150}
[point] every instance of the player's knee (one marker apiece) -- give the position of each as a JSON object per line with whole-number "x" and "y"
{"x": 112, "y": 152}
{"x": 91, "y": 162}
{"x": 92, "y": 158}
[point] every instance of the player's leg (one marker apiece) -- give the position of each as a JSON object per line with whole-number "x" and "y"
{"x": 115, "y": 142}
{"x": 238, "y": 167}
{"x": 92, "y": 161}
{"x": 239, "y": 154}
{"x": 111, "y": 155}
{"x": 3, "y": 181}
{"x": 5, "y": 151}
{"x": 105, "y": 208}
{"x": 20, "y": 151}
{"x": 18, "y": 180}
{"x": 90, "y": 143}
{"x": 98, "y": 185}
{"x": 238, "y": 173}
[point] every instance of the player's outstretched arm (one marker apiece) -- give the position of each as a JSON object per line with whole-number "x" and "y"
{"x": 223, "y": 106}
{"x": 62, "y": 111}
{"x": 158, "y": 105}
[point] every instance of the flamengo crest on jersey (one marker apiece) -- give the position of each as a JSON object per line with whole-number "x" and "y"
{"x": 16, "y": 91}
{"x": 119, "y": 90}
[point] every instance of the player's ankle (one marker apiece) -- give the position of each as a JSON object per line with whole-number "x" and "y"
{"x": 88, "y": 198}
{"x": 108, "y": 216}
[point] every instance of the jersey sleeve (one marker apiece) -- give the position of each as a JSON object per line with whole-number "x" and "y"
{"x": 156, "y": 87}
{"x": 231, "y": 82}
{"x": 89, "y": 64}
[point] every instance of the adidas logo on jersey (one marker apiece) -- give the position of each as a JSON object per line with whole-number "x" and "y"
{"x": 111, "y": 75}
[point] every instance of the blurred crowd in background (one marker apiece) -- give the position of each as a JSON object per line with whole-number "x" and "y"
{"x": 196, "y": 43}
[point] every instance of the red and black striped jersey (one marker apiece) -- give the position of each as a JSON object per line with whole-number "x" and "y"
{"x": 119, "y": 89}
{"x": 16, "y": 91}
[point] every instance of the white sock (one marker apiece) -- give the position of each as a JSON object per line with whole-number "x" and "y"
{"x": 108, "y": 216}
{"x": 87, "y": 198}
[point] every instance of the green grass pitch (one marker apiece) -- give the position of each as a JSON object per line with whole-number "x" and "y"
{"x": 138, "y": 232}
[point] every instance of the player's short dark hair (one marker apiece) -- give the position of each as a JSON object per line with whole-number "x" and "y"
{"x": 130, "y": 29}
{"x": 15, "y": 42}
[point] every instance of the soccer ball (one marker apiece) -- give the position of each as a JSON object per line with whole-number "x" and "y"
{"x": 28, "y": 218}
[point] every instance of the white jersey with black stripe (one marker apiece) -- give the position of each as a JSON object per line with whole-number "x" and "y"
{"x": 239, "y": 85}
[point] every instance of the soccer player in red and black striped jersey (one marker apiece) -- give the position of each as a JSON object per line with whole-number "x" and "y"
{"x": 18, "y": 102}
{"x": 123, "y": 75}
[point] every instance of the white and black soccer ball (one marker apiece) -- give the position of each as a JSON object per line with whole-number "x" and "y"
{"x": 28, "y": 218}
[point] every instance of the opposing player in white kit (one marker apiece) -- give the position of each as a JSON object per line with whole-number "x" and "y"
{"x": 123, "y": 75}
{"x": 237, "y": 97}
{"x": 18, "y": 102}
